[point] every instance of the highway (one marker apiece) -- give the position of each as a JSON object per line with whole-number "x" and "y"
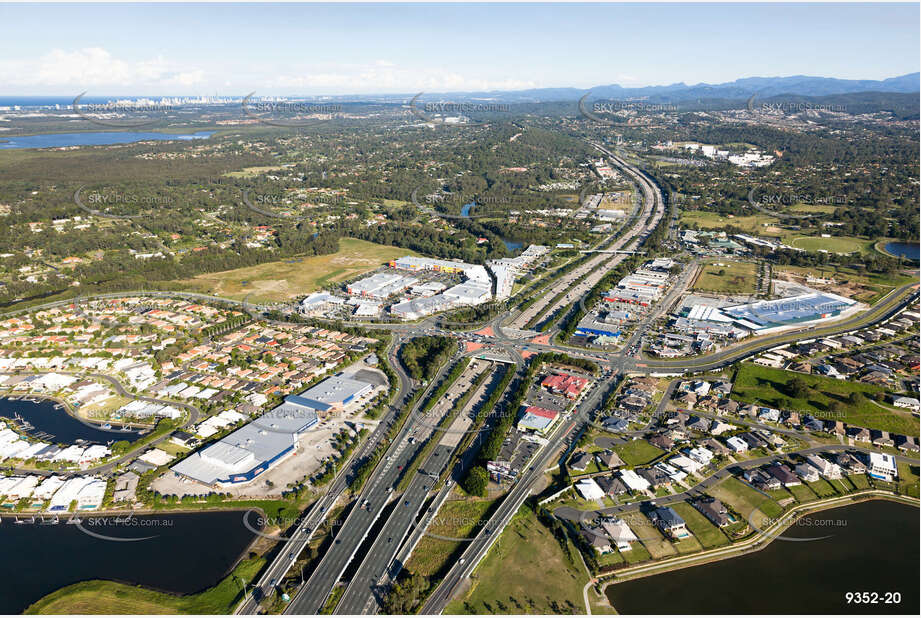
{"x": 298, "y": 539}
{"x": 368, "y": 507}
{"x": 564, "y": 435}
{"x": 363, "y": 593}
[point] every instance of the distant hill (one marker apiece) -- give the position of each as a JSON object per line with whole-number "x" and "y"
{"x": 740, "y": 89}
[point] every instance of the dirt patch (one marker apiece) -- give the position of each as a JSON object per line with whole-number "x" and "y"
{"x": 835, "y": 284}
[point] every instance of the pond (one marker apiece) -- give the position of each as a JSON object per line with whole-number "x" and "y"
{"x": 908, "y": 250}
{"x": 873, "y": 548}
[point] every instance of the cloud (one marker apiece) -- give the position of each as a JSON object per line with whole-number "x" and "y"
{"x": 95, "y": 68}
{"x": 98, "y": 71}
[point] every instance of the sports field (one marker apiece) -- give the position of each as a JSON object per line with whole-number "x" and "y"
{"x": 286, "y": 279}
{"x": 835, "y": 244}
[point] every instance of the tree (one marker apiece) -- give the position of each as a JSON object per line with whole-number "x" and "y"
{"x": 798, "y": 388}
{"x": 476, "y": 482}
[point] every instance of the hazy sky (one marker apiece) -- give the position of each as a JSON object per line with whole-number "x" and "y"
{"x": 233, "y": 49}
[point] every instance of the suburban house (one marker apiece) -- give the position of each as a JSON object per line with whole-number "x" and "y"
{"x": 783, "y": 474}
{"x": 619, "y": 532}
{"x": 609, "y": 459}
{"x": 883, "y": 467}
{"x": 714, "y": 510}
{"x": 806, "y": 472}
{"x": 669, "y": 522}
{"x": 580, "y": 461}
{"x": 826, "y": 468}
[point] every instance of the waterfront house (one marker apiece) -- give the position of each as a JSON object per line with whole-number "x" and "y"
{"x": 714, "y": 510}
{"x": 783, "y": 474}
{"x": 883, "y": 467}
{"x": 669, "y": 522}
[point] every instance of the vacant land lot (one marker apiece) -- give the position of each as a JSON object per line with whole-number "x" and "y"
{"x": 283, "y": 280}
{"x": 827, "y": 398}
{"x": 757, "y": 225}
{"x": 823, "y": 208}
{"x": 865, "y": 287}
{"x": 526, "y": 572}
{"x": 728, "y": 278}
{"x": 656, "y": 544}
{"x": 637, "y": 452}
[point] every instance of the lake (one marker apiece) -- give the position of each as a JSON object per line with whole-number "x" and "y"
{"x": 875, "y": 550}
{"x": 908, "y": 250}
{"x": 188, "y": 553}
{"x": 57, "y": 426}
{"x": 102, "y": 138}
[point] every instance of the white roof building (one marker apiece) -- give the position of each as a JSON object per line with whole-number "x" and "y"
{"x": 634, "y": 481}
{"x": 619, "y": 532}
{"x": 883, "y": 467}
{"x": 589, "y": 489}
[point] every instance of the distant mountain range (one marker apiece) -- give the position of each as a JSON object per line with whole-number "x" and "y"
{"x": 761, "y": 87}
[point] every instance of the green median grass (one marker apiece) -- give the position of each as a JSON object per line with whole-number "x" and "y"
{"x": 105, "y": 597}
{"x": 459, "y": 519}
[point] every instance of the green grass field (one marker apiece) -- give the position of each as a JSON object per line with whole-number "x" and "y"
{"x": 835, "y": 244}
{"x": 525, "y": 572}
{"x": 823, "y": 489}
{"x": 283, "y": 280}
{"x": 822, "y": 208}
{"x": 637, "y": 452}
{"x": 758, "y": 225}
{"x": 753, "y": 383}
{"x": 803, "y": 494}
{"x": 736, "y": 278}
{"x": 105, "y": 597}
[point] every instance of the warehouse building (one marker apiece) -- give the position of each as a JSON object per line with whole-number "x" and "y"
{"x": 767, "y": 315}
{"x": 251, "y": 450}
{"x": 332, "y": 394}
{"x": 537, "y": 419}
